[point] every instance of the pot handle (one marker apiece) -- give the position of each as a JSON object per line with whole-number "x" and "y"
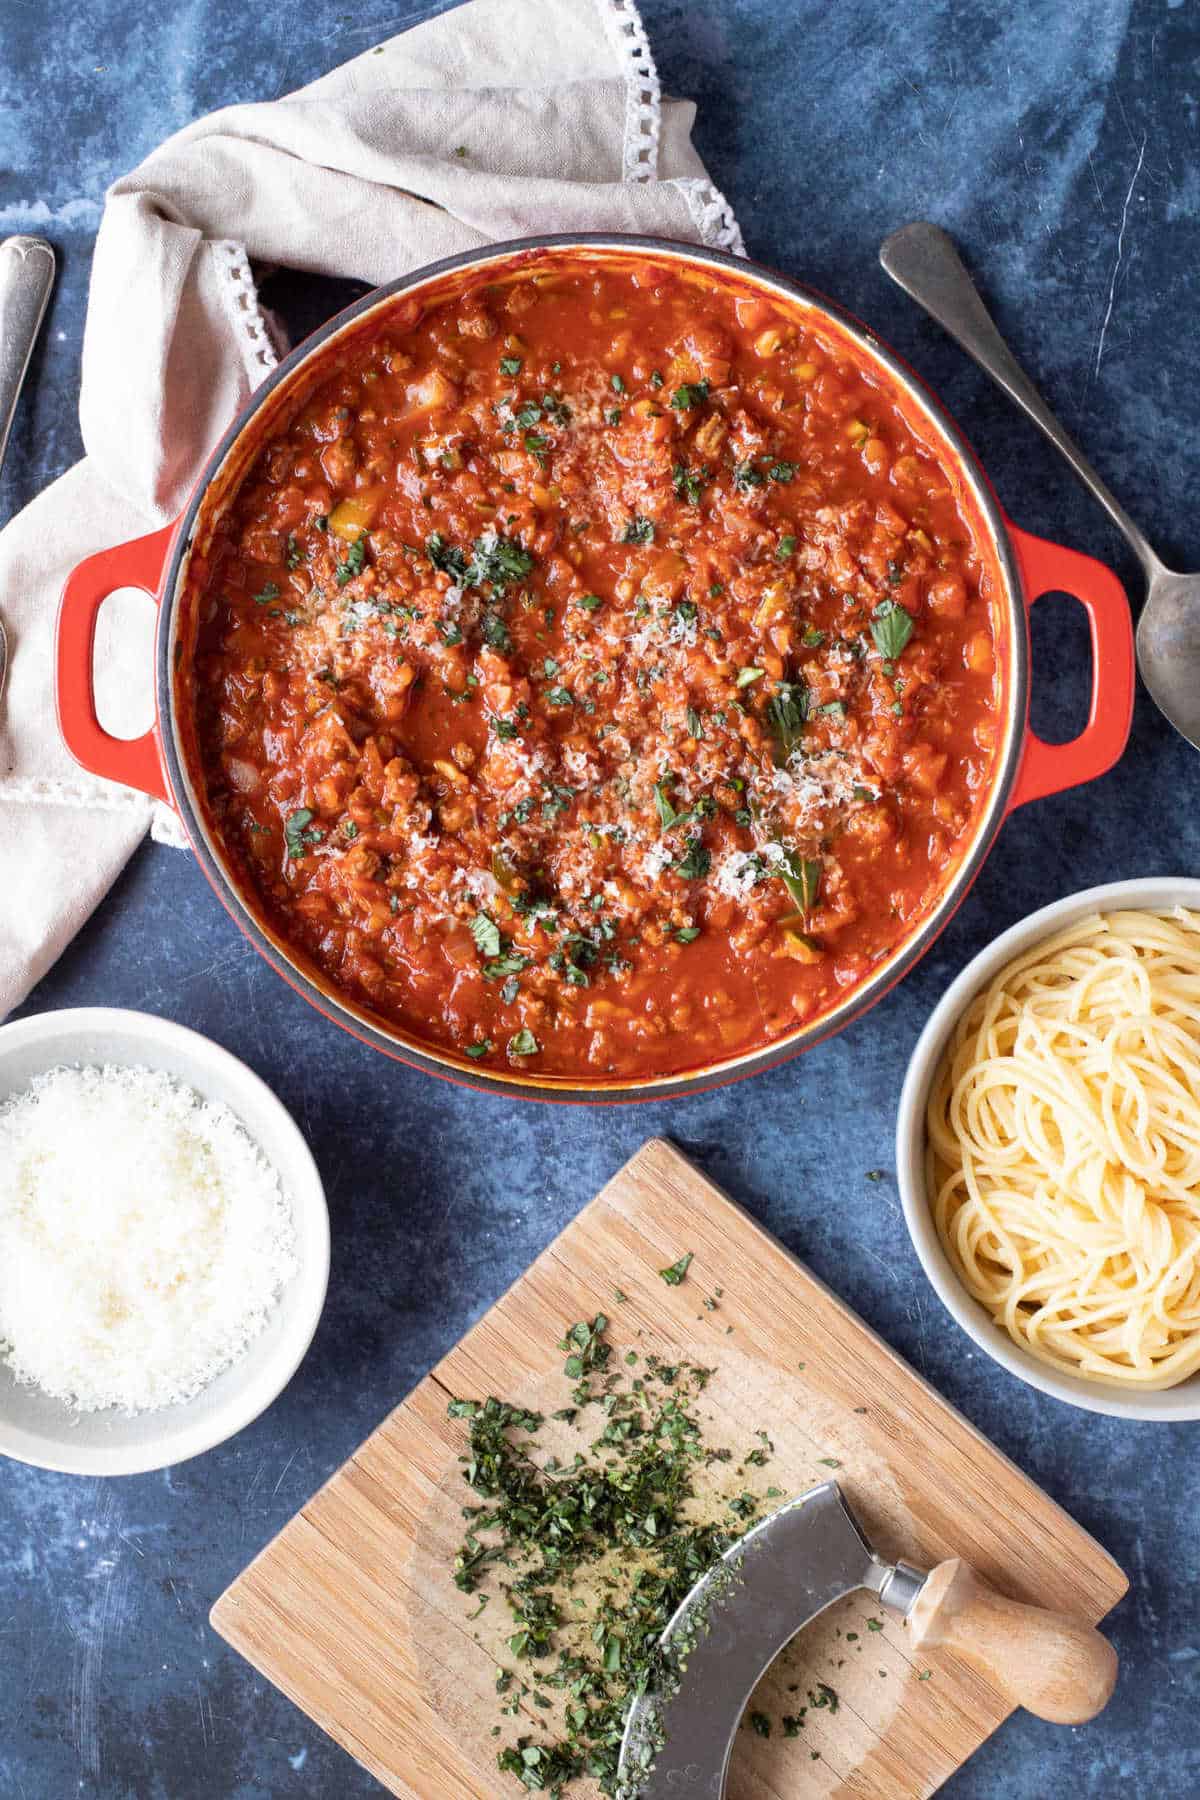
{"x": 133, "y": 761}
{"x": 1051, "y": 768}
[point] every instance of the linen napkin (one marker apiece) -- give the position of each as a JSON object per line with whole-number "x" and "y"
{"x": 500, "y": 119}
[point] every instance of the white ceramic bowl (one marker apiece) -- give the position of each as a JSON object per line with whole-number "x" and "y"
{"x": 1157, "y": 894}
{"x": 37, "y": 1429}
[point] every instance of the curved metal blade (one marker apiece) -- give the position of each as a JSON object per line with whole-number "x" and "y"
{"x": 726, "y": 1634}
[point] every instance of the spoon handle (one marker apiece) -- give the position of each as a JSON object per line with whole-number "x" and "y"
{"x": 922, "y": 259}
{"x": 26, "y": 277}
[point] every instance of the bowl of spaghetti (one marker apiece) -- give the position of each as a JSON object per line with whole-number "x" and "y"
{"x": 1048, "y": 1149}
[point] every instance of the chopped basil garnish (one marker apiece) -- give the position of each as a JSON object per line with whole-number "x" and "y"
{"x": 639, "y": 530}
{"x": 694, "y": 866}
{"x": 667, "y": 816}
{"x": 352, "y": 562}
{"x": 510, "y": 963}
{"x": 787, "y": 711}
{"x": 447, "y": 557}
{"x": 500, "y": 562}
{"x": 746, "y": 476}
{"x": 299, "y": 832}
{"x": 495, "y": 632}
{"x": 486, "y": 933}
{"x": 677, "y": 1270}
{"x": 801, "y": 876}
{"x": 891, "y": 627}
{"x": 523, "y": 1043}
{"x": 689, "y": 484}
{"x": 692, "y": 393}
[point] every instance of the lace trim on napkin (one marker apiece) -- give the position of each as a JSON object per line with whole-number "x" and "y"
{"x": 711, "y": 213}
{"x": 261, "y": 332}
{"x": 643, "y": 96}
{"x": 95, "y": 796}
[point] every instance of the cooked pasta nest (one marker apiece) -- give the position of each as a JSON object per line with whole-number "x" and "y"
{"x": 1063, "y": 1149}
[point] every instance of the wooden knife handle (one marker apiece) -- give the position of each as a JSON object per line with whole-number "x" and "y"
{"x": 1048, "y": 1662}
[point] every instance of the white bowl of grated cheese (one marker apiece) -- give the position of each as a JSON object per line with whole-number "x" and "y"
{"x": 164, "y": 1243}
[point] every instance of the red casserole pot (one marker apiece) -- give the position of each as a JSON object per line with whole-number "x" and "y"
{"x": 161, "y": 762}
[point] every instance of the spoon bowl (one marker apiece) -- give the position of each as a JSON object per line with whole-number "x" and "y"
{"x": 1168, "y": 648}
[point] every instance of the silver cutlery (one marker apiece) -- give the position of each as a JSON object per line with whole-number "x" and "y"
{"x": 923, "y": 260}
{"x": 26, "y": 278}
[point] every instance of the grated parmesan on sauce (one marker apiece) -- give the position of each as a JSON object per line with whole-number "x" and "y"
{"x": 144, "y": 1238}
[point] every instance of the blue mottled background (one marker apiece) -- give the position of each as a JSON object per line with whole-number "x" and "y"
{"x": 1058, "y": 140}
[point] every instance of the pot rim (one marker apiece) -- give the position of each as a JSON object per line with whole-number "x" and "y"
{"x": 345, "y": 1012}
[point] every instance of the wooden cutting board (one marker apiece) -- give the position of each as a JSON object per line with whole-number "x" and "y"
{"x": 352, "y": 1611}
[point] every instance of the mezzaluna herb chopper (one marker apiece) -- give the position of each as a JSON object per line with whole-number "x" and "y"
{"x": 679, "y": 1737}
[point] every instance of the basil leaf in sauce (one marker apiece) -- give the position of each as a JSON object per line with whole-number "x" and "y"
{"x": 891, "y": 627}
{"x": 801, "y": 876}
{"x": 787, "y": 711}
{"x": 486, "y": 933}
{"x": 352, "y": 563}
{"x": 694, "y": 865}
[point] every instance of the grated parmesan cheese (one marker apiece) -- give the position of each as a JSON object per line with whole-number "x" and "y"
{"x": 737, "y": 873}
{"x": 657, "y": 858}
{"x": 144, "y": 1238}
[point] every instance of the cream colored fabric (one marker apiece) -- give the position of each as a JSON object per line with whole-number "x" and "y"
{"x": 501, "y": 119}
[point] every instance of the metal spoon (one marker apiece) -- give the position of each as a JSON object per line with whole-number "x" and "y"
{"x": 26, "y": 277}
{"x": 922, "y": 259}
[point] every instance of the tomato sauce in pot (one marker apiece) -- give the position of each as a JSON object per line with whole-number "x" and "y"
{"x": 597, "y": 676}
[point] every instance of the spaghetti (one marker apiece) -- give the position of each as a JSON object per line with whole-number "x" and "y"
{"x": 1063, "y": 1155}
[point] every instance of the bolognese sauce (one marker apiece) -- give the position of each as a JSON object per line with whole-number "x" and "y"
{"x": 596, "y": 675}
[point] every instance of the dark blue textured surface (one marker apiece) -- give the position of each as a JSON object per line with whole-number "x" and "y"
{"x": 1059, "y": 142}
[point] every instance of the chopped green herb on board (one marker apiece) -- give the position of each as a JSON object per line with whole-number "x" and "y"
{"x": 614, "y": 1523}
{"x": 675, "y": 1274}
